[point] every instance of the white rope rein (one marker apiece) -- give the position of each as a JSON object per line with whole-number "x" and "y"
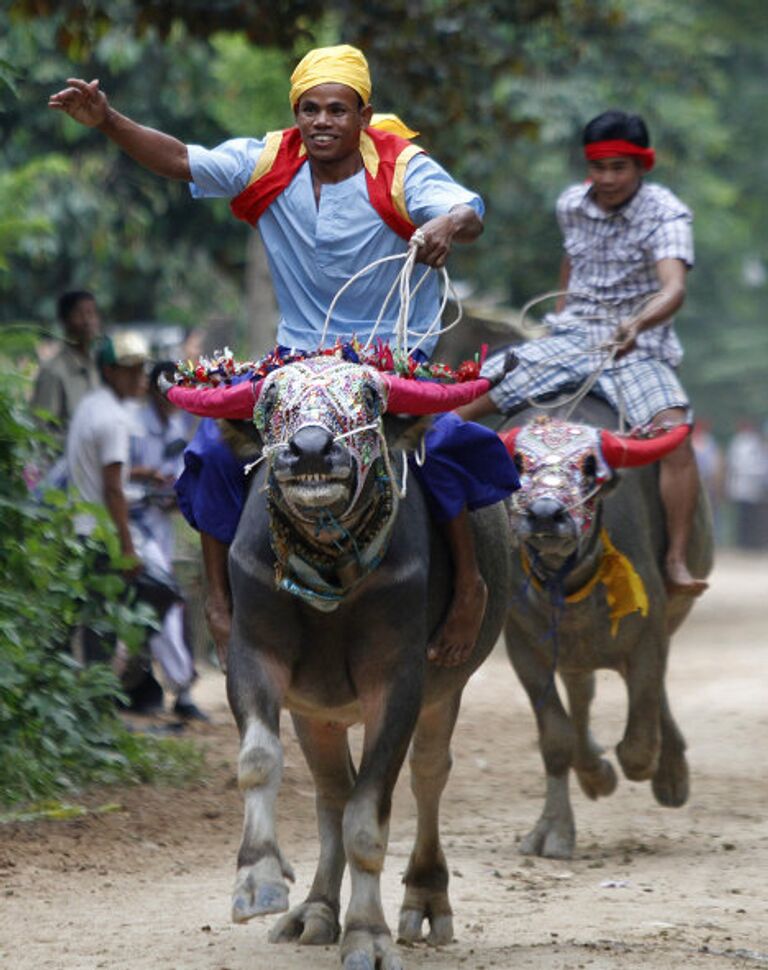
{"x": 607, "y": 351}
{"x": 406, "y": 292}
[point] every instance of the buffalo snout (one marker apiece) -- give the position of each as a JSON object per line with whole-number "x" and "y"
{"x": 546, "y": 515}
{"x": 312, "y": 450}
{"x": 546, "y": 525}
{"x": 314, "y": 471}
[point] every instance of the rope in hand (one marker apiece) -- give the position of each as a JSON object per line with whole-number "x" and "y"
{"x": 406, "y": 292}
{"x": 607, "y": 351}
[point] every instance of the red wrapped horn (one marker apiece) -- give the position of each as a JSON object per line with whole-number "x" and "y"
{"x": 407, "y": 396}
{"x": 621, "y": 451}
{"x": 231, "y": 401}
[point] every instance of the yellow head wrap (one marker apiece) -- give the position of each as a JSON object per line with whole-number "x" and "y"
{"x": 342, "y": 64}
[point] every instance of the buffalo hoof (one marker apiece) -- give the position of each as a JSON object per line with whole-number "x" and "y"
{"x": 409, "y": 928}
{"x": 598, "y": 782}
{"x": 256, "y": 897}
{"x": 670, "y": 783}
{"x": 312, "y": 924}
{"x": 550, "y": 839}
{"x": 361, "y": 950}
{"x": 638, "y": 762}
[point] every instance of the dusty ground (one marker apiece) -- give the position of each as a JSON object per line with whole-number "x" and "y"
{"x": 148, "y": 887}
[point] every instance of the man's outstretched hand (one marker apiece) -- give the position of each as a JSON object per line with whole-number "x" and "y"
{"x": 82, "y": 100}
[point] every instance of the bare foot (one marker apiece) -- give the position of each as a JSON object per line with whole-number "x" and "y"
{"x": 219, "y": 619}
{"x": 680, "y": 582}
{"x": 455, "y": 640}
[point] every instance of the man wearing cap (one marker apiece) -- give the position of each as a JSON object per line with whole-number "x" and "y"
{"x": 339, "y": 190}
{"x": 98, "y": 462}
{"x": 628, "y": 247}
{"x": 98, "y": 443}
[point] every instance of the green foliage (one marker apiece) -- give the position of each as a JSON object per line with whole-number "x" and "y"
{"x": 250, "y": 85}
{"x": 80, "y": 26}
{"x": 23, "y": 225}
{"x": 58, "y": 725}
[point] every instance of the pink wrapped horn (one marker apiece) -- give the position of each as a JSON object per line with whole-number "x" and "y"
{"x": 404, "y": 396}
{"x": 225, "y": 401}
{"x": 407, "y": 396}
{"x": 621, "y": 451}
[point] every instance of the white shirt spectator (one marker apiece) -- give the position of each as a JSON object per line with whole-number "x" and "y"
{"x": 99, "y": 435}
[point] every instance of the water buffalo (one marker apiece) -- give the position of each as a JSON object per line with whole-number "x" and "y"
{"x": 338, "y": 582}
{"x": 589, "y": 593}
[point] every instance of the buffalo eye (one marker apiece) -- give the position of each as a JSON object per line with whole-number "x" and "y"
{"x": 267, "y": 402}
{"x": 371, "y": 400}
{"x": 589, "y": 466}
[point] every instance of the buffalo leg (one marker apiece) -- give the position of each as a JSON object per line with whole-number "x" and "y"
{"x": 389, "y": 711}
{"x": 638, "y": 750}
{"x": 426, "y": 878}
{"x": 670, "y": 782}
{"x": 596, "y": 774}
{"x": 554, "y": 834}
{"x": 255, "y": 687}
{"x": 316, "y": 920}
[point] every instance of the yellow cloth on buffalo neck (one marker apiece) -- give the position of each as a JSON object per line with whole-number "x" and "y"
{"x": 624, "y": 588}
{"x": 342, "y": 64}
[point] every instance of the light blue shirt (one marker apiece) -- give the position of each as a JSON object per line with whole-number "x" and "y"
{"x": 314, "y": 249}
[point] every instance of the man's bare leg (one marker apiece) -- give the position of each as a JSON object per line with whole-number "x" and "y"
{"x": 456, "y": 638}
{"x": 218, "y": 598}
{"x": 679, "y": 486}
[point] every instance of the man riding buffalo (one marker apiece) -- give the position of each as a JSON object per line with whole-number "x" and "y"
{"x": 339, "y": 190}
{"x": 628, "y": 246}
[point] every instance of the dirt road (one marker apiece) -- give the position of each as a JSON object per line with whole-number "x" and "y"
{"x": 147, "y": 888}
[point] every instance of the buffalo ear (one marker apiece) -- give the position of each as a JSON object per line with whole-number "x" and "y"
{"x": 241, "y": 437}
{"x": 405, "y": 432}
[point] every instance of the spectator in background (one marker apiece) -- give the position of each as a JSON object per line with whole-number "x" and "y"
{"x": 161, "y": 433}
{"x": 71, "y": 373}
{"x": 711, "y": 463}
{"x": 98, "y": 467}
{"x": 747, "y": 483}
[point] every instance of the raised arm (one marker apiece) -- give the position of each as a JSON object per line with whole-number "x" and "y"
{"x": 87, "y": 104}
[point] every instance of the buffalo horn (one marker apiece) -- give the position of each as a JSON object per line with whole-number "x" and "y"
{"x": 231, "y": 401}
{"x": 408, "y": 396}
{"x": 621, "y": 451}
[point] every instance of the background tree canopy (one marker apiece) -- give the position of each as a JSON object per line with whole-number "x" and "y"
{"x": 499, "y": 91}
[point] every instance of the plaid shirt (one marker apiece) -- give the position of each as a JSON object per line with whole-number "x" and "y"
{"x": 613, "y": 258}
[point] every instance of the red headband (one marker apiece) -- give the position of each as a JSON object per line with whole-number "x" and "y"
{"x": 616, "y": 146}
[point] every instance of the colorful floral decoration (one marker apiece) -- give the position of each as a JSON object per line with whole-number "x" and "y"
{"x": 222, "y": 368}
